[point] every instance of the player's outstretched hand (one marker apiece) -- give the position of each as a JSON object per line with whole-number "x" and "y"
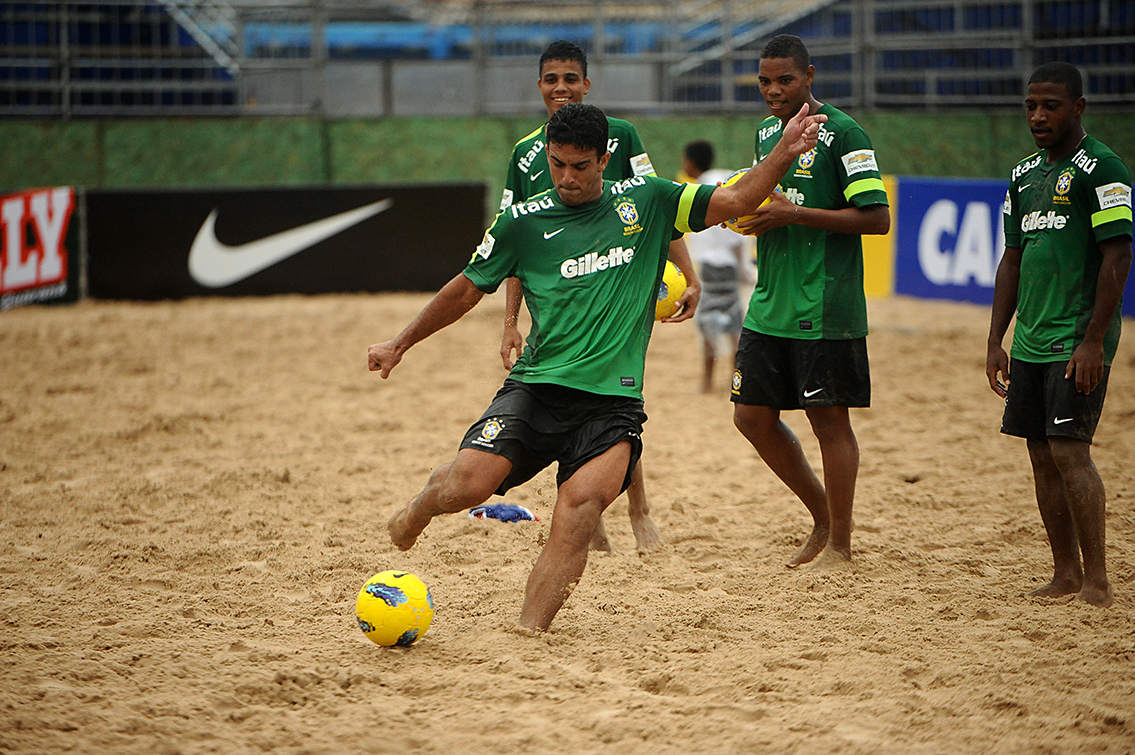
{"x": 687, "y": 305}
{"x": 996, "y": 367}
{"x": 511, "y": 342}
{"x": 383, "y": 357}
{"x": 802, "y": 132}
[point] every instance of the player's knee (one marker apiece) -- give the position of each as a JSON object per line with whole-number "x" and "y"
{"x": 1069, "y": 454}
{"x": 830, "y": 423}
{"x": 579, "y": 515}
{"x": 464, "y": 487}
{"x": 747, "y": 421}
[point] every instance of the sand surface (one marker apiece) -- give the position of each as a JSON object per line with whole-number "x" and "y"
{"x": 192, "y": 494}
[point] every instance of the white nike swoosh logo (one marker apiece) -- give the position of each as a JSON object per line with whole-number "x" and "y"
{"x": 1022, "y": 188}
{"x": 809, "y": 394}
{"x": 550, "y": 235}
{"x": 1062, "y": 421}
{"x": 215, "y": 265}
{"x": 534, "y": 176}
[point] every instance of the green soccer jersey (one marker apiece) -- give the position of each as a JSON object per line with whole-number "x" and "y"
{"x": 590, "y": 275}
{"x": 810, "y": 282}
{"x": 1056, "y": 215}
{"x": 528, "y": 173}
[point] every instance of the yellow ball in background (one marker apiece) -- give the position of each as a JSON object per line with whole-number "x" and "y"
{"x": 733, "y": 178}
{"x": 669, "y": 291}
{"x": 394, "y": 608}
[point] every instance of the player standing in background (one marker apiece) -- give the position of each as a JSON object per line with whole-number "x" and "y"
{"x": 575, "y": 395}
{"x": 719, "y": 255}
{"x": 1067, "y": 256}
{"x": 563, "y": 79}
{"x": 804, "y": 343}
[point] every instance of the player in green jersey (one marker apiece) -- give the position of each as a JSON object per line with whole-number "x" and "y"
{"x": 804, "y": 344}
{"x": 590, "y": 255}
{"x": 1067, "y": 256}
{"x": 563, "y": 79}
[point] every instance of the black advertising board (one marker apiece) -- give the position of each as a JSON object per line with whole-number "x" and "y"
{"x": 39, "y": 247}
{"x": 171, "y": 244}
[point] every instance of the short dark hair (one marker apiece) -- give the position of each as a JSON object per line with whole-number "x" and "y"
{"x": 787, "y": 46}
{"x": 580, "y": 125}
{"x": 700, "y": 153}
{"x": 1059, "y": 72}
{"x": 563, "y": 50}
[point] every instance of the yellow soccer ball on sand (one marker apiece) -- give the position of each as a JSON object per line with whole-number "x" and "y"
{"x": 734, "y": 178}
{"x": 394, "y": 609}
{"x": 669, "y": 291}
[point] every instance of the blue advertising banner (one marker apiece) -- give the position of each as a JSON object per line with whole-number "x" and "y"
{"x": 950, "y": 237}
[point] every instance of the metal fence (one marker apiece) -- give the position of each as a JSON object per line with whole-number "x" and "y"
{"x": 372, "y": 58}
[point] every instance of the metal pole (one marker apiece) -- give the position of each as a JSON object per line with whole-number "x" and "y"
{"x": 318, "y": 57}
{"x": 480, "y": 74}
{"x": 64, "y": 62}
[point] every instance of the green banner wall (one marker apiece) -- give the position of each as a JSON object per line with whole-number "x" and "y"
{"x": 290, "y": 151}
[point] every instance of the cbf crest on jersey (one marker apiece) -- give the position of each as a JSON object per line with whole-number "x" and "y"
{"x": 628, "y": 213}
{"x": 1063, "y": 186}
{"x": 807, "y": 159}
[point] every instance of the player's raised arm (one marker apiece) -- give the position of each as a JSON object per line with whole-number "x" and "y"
{"x": 449, "y": 305}
{"x": 742, "y": 198}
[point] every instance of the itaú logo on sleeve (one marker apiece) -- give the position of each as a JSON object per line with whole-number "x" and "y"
{"x": 596, "y": 262}
{"x": 1038, "y": 221}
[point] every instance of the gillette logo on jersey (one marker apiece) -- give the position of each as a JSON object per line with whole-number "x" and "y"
{"x": 1038, "y": 221}
{"x": 596, "y": 262}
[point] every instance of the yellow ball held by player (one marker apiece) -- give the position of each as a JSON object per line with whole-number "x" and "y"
{"x": 394, "y": 609}
{"x": 734, "y": 178}
{"x": 669, "y": 291}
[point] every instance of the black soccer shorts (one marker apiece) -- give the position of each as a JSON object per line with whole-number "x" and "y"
{"x": 793, "y": 373}
{"x": 1042, "y": 403}
{"x": 535, "y": 424}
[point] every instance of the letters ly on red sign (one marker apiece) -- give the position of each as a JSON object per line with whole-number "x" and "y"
{"x": 33, "y": 228}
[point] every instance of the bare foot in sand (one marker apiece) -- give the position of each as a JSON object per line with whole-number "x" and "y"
{"x": 832, "y": 559}
{"x": 647, "y": 536}
{"x": 403, "y": 532}
{"x": 1100, "y": 596}
{"x": 1058, "y": 588}
{"x": 810, "y": 549}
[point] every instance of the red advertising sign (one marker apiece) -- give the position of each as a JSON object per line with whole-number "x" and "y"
{"x": 35, "y": 257}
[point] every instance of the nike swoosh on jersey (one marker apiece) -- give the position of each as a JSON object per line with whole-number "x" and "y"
{"x": 810, "y": 394}
{"x": 1022, "y": 188}
{"x": 534, "y": 176}
{"x": 215, "y": 265}
{"x": 1062, "y": 421}
{"x": 550, "y": 235}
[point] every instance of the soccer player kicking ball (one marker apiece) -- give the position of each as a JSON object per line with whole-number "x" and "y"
{"x": 1067, "y": 256}
{"x": 590, "y": 257}
{"x": 563, "y": 80}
